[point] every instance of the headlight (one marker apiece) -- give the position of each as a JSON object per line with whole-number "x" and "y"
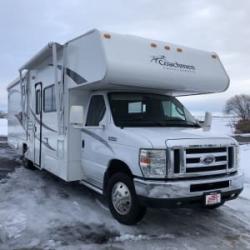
{"x": 153, "y": 162}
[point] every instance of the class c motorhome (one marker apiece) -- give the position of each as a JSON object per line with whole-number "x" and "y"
{"x": 102, "y": 109}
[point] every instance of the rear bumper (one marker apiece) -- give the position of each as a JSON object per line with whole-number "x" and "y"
{"x": 187, "y": 192}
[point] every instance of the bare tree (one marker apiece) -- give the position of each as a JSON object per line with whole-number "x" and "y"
{"x": 239, "y": 105}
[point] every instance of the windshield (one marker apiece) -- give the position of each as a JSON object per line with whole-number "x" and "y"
{"x": 149, "y": 110}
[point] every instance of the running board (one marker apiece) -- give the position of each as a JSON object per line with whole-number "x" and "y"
{"x": 87, "y": 184}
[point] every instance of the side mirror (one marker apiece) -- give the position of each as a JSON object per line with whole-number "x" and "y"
{"x": 102, "y": 124}
{"x": 207, "y": 121}
{"x": 76, "y": 116}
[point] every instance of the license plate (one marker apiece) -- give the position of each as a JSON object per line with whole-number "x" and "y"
{"x": 212, "y": 199}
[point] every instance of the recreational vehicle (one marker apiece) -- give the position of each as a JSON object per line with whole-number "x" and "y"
{"x": 101, "y": 109}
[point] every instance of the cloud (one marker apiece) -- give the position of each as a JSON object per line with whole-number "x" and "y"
{"x": 221, "y": 26}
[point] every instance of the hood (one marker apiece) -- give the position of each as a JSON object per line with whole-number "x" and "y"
{"x": 160, "y": 137}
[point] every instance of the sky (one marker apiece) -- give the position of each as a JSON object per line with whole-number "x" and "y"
{"x": 222, "y": 26}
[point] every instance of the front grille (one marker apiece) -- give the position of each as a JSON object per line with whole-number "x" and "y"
{"x": 209, "y": 186}
{"x": 206, "y": 169}
{"x": 176, "y": 161}
{"x": 196, "y": 159}
{"x": 202, "y": 161}
{"x": 205, "y": 150}
{"x": 230, "y": 157}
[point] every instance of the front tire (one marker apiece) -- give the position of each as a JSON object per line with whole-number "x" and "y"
{"x": 123, "y": 201}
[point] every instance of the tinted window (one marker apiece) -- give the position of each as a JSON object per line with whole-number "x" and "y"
{"x": 49, "y": 99}
{"x": 38, "y": 101}
{"x": 146, "y": 109}
{"x": 172, "y": 110}
{"x": 96, "y": 110}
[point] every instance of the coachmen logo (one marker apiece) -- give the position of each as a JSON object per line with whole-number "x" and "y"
{"x": 162, "y": 60}
{"x": 208, "y": 160}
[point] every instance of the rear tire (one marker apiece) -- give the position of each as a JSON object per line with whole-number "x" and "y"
{"x": 27, "y": 163}
{"x": 123, "y": 201}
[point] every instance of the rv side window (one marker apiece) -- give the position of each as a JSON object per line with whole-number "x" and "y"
{"x": 38, "y": 101}
{"x": 49, "y": 99}
{"x": 96, "y": 110}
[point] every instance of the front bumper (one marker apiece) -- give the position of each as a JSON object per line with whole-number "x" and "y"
{"x": 187, "y": 191}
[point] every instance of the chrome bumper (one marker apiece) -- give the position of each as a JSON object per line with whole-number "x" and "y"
{"x": 181, "y": 188}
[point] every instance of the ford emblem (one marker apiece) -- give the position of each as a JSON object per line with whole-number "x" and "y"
{"x": 208, "y": 159}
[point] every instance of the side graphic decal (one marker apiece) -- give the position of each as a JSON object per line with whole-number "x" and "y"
{"x": 43, "y": 125}
{"x": 78, "y": 79}
{"x": 75, "y": 77}
{"x": 45, "y": 143}
{"x": 97, "y": 137}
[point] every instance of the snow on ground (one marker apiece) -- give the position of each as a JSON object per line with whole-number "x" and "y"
{"x": 39, "y": 211}
{"x": 245, "y": 166}
{"x": 3, "y": 127}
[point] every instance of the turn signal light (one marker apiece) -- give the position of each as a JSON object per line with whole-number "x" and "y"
{"x": 153, "y": 45}
{"x": 107, "y": 36}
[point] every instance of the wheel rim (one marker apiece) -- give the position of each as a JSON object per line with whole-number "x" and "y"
{"x": 121, "y": 198}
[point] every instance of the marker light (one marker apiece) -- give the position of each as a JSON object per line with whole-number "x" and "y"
{"x": 107, "y": 36}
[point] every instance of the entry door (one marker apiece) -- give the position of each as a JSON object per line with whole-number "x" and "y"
{"x": 38, "y": 124}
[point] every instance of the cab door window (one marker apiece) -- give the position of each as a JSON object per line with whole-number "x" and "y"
{"x": 96, "y": 110}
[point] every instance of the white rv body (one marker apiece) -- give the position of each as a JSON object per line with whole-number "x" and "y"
{"x": 60, "y": 77}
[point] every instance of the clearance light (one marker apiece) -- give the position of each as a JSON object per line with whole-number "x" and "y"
{"x": 153, "y": 45}
{"x": 179, "y": 50}
{"x": 214, "y": 56}
{"x": 167, "y": 47}
{"x": 107, "y": 36}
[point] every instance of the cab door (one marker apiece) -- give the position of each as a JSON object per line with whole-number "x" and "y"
{"x": 95, "y": 148}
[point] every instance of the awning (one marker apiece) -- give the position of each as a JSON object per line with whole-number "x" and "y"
{"x": 40, "y": 56}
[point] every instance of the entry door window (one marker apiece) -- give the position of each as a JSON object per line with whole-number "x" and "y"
{"x": 38, "y": 102}
{"x": 96, "y": 110}
{"x": 49, "y": 99}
